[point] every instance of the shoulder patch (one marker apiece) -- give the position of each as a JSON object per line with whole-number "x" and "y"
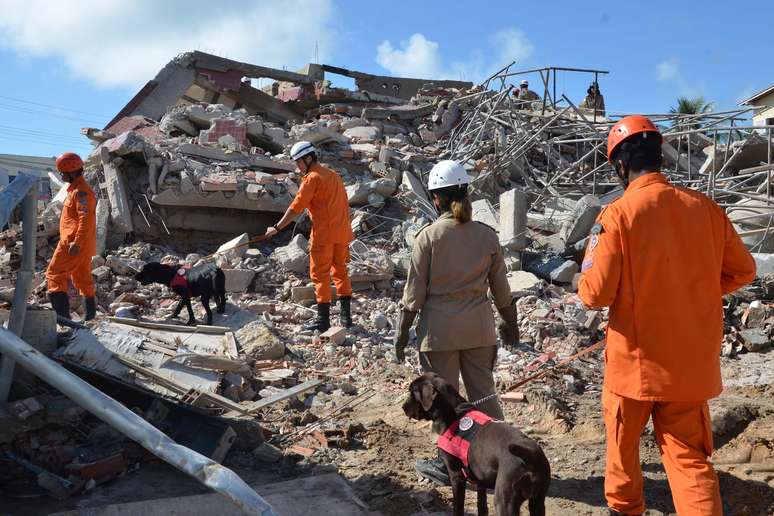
{"x": 81, "y": 193}
{"x": 597, "y": 229}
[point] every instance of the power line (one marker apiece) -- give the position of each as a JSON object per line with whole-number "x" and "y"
{"x": 34, "y": 132}
{"x": 32, "y": 111}
{"x": 14, "y": 99}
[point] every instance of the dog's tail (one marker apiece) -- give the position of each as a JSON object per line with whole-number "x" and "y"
{"x": 219, "y": 284}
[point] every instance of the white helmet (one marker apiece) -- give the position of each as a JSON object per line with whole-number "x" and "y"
{"x": 301, "y": 149}
{"x": 447, "y": 173}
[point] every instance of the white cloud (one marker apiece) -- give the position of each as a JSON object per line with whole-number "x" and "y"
{"x": 417, "y": 57}
{"x": 125, "y": 44}
{"x": 513, "y": 45}
{"x": 669, "y": 69}
{"x": 421, "y": 57}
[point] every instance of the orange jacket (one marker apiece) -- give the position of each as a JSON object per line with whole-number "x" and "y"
{"x": 662, "y": 257}
{"x": 79, "y": 217}
{"x": 322, "y": 193}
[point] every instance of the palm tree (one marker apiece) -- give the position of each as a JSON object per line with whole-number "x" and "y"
{"x": 694, "y": 106}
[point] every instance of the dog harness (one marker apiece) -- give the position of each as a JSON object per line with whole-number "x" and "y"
{"x": 457, "y": 438}
{"x": 181, "y": 279}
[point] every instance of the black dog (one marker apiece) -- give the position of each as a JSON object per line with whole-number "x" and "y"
{"x": 205, "y": 281}
{"x": 499, "y": 456}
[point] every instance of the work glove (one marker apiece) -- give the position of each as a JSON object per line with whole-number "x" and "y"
{"x": 509, "y": 327}
{"x": 402, "y": 327}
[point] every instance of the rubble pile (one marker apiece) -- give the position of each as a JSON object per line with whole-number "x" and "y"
{"x": 196, "y": 182}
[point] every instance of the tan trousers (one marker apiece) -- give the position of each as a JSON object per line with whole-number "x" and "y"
{"x": 476, "y": 366}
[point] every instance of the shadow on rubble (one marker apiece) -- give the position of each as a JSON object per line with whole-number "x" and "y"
{"x": 740, "y": 497}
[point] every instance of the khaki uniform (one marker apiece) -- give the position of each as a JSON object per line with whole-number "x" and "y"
{"x": 453, "y": 267}
{"x": 596, "y": 103}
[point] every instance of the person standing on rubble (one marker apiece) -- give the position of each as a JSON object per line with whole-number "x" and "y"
{"x": 77, "y": 240}
{"x": 661, "y": 257}
{"x": 454, "y": 263}
{"x": 322, "y": 193}
{"x": 594, "y": 100}
{"x": 525, "y": 95}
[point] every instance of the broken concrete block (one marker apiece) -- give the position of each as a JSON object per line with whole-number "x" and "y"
{"x": 363, "y": 133}
{"x": 335, "y": 336}
{"x": 523, "y": 283}
{"x": 755, "y": 339}
{"x": 583, "y": 217}
{"x": 565, "y": 272}
{"x": 254, "y": 191}
{"x": 266, "y": 452}
{"x": 120, "y": 213}
{"x": 124, "y": 266}
{"x": 218, "y": 183}
{"x": 127, "y": 143}
{"x": 235, "y": 248}
{"x": 375, "y": 199}
{"x": 301, "y": 294}
{"x": 221, "y": 127}
{"x": 764, "y": 264}
{"x": 259, "y": 343}
{"x": 513, "y": 220}
{"x": 293, "y": 256}
{"x": 384, "y": 186}
{"x": 97, "y": 261}
{"x": 103, "y": 219}
{"x": 358, "y": 194}
{"x": 102, "y": 273}
{"x": 483, "y": 212}
{"x": 365, "y": 150}
{"x": 238, "y": 280}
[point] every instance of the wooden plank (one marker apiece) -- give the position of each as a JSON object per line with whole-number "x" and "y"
{"x": 308, "y": 496}
{"x": 213, "y": 330}
{"x": 230, "y": 345}
{"x": 215, "y": 399}
{"x": 287, "y": 393}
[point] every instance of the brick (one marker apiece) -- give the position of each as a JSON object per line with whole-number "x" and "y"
{"x": 335, "y": 335}
{"x": 218, "y": 183}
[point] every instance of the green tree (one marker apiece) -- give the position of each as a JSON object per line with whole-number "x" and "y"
{"x": 694, "y": 106}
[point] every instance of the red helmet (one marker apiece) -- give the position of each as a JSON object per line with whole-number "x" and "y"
{"x": 626, "y": 127}
{"x": 69, "y": 162}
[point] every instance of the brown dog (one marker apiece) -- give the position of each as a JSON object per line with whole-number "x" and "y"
{"x": 499, "y": 456}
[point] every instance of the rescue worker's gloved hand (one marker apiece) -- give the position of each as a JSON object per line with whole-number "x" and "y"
{"x": 271, "y": 231}
{"x": 509, "y": 327}
{"x": 402, "y": 327}
{"x": 74, "y": 249}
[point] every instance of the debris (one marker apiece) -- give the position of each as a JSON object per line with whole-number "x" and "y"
{"x": 293, "y": 256}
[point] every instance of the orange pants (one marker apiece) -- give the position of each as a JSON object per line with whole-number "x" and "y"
{"x": 325, "y": 261}
{"x": 684, "y": 436}
{"x": 63, "y": 267}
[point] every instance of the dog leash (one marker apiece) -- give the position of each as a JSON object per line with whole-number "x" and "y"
{"x": 543, "y": 372}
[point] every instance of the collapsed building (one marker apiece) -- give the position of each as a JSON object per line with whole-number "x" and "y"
{"x": 200, "y": 157}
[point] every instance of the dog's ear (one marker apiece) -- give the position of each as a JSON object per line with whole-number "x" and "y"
{"x": 426, "y": 395}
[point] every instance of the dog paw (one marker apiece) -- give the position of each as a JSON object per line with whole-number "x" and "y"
{"x": 191, "y": 323}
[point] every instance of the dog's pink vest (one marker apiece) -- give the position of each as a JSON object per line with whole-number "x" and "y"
{"x": 457, "y": 438}
{"x": 180, "y": 278}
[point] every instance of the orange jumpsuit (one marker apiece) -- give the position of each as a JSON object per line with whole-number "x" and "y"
{"x": 662, "y": 257}
{"x": 322, "y": 193}
{"x": 78, "y": 224}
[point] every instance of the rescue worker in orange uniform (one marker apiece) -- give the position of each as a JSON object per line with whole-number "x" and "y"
{"x": 322, "y": 193}
{"x": 77, "y": 240}
{"x": 661, "y": 257}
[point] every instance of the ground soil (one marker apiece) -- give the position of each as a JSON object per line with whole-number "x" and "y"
{"x": 379, "y": 461}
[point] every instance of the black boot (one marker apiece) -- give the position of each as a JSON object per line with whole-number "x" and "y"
{"x": 322, "y": 322}
{"x": 345, "y": 315}
{"x": 433, "y": 470}
{"x": 60, "y": 303}
{"x": 91, "y": 308}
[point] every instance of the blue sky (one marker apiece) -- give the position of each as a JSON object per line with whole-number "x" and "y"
{"x": 74, "y": 64}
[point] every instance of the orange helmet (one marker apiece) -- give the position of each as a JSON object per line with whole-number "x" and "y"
{"x": 626, "y": 127}
{"x": 69, "y": 162}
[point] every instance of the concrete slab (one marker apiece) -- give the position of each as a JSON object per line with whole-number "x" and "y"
{"x": 310, "y": 496}
{"x": 483, "y": 212}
